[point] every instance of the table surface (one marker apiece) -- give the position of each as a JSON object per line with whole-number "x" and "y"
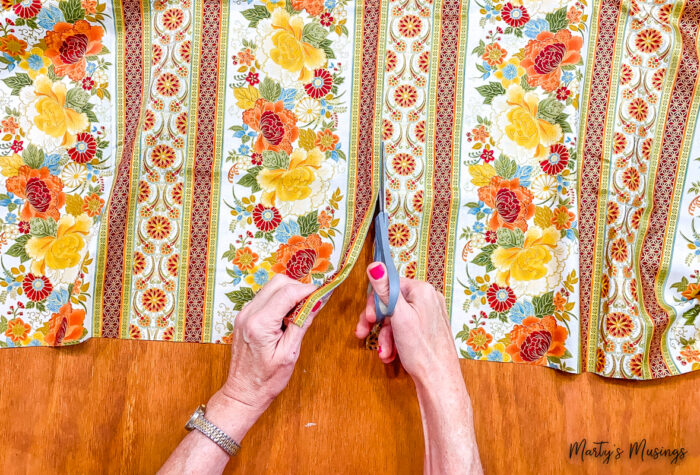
{"x": 120, "y": 406}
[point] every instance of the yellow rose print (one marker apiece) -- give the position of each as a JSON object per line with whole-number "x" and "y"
{"x": 290, "y": 51}
{"x": 55, "y": 119}
{"x": 62, "y": 251}
{"x": 524, "y": 127}
{"x": 294, "y": 183}
{"x": 527, "y": 262}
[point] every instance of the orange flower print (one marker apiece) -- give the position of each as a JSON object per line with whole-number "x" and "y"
{"x": 65, "y": 326}
{"x": 153, "y": 300}
{"x": 276, "y": 126}
{"x": 92, "y": 205}
{"x": 158, "y": 227}
{"x": 326, "y": 140}
{"x": 42, "y": 191}
{"x": 562, "y": 218}
{"x": 494, "y": 54}
{"x": 618, "y": 250}
{"x": 134, "y": 332}
{"x": 9, "y": 125}
{"x": 398, "y": 234}
{"x": 173, "y": 264}
{"x": 536, "y": 339}
{"x": 630, "y": 178}
{"x": 638, "y": 109}
{"x": 172, "y": 18}
{"x": 546, "y": 54}
{"x": 478, "y": 339}
{"x": 613, "y": 212}
{"x": 637, "y": 365}
{"x": 648, "y": 40}
{"x": 511, "y": 203}
{"x": 387, "y": 129}
{"x": 618, "y": 324}
{"x": 246, "y": 57}
{"x": 69, "y": 44}
{"x": 139, "y": 263}
{"x": 419, "y": 131}
{"x": 245, "y": 259}
{"x": 599, "y": 360}
{"x": 17, "y": 330}
{"x": 403, "y": 164}
{"x": 690, "y": 355}
{"x": 405, "y": 95}
{"x": 12, "y": 45}
{"x": 167, "y": 85}
{"x": 302, "y": 256}
{"x": 480, "y": 134}
{"x": 605, "y": 286}
{"x": 312, "y": 7}
{"x": 559, "y": 302}
{"x": 90, "y": 6}
{"x": 410, "y": 26}
{"x": 692, "y": 292}
{"x": 324, "y": 219}
{"x": 163, "y": 156}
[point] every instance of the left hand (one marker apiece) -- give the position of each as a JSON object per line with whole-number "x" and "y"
{"x": 263, "y": 355}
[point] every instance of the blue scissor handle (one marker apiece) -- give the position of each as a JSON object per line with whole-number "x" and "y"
{"x": 382, "y": 253}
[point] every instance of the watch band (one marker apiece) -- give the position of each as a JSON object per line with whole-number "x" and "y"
{"x": 206, "y": 427}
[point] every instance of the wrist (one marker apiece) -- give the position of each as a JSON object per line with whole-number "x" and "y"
{"x": 231, "y": 415}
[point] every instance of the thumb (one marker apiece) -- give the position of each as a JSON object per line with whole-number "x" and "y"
{"x": 379, "y": 280}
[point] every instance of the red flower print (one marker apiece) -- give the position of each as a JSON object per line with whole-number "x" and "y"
{"x": 419, "y": 131}
{"x": 494, "y": 54}
{"x": 65, "y": 326}
{"x": 648, "y": 40}
{"x": 27, "y": 8}
{"x": 181, "y": 123}
{"x": 424, "y": 61}
{"x": 17, "y": 330}
{"x": 618, "y": 324}
{"x": 185, "y": 51}
{"x": 36, "y": 287}
{"x": 266, "y": 219}
{"x": 300, "y": 257}
{"x": 252, "y": 78}
{"x": 387, "y": 129}
{"x": 487, "y": 155}
{"x": 157, "y": 54}
{"x": 515, "y": 16}
{"x": 563, "y": 93}
{"x": 275, "y": 124}
{"x": 556, "y": 161}
{"x": 501, "y": 299}
{"x": 17, "y": 146}
{"x": 625, "y": 74}
{"x": 535, "y": 339}
{"x": 405, "y": 95}
{"x": 153, "y": 300}
{"x": 172, "y": 18}
{"x": 176, "y": 193}
{"x": 546, "y": 54}
{"x": 88, "y": 83}
{"x": 158, "y": 227}
{"x": 604, "y": 286}
{"x": 139, "y": 262}
{"x": 618, "y": 250}
{"x": 599, "y": 360}
{"x": 403, "y": 164}
{"x": 69, "y": 44}
{"x": 256, "y": 159}
{"x": 665, "y": 13}
{"x": 84, "y": 149}
{"x": 398, "y": 234}
{"x": 657, "y": 79}
{"x": 163, "y": 156}
{"x": 410, "y": 270}
{"x": 391, "y": 60}
{"x": 418, "y": 201}
{"x": 167, "y": 84}
{"x": 512, "y": 203}
{"x": 144, "y": 191}
{"x": 619, "y": 143}
{"x": 638, "y": 109}
{"x": 42, "y": 191}
{"x": 134, "y": 332}
{"x": 636, "y": 218}
{"x": 646, "y": 148}
{"x": 410, "y": 26}
{"x": 613, "y": 212}
{"x": 631, "y": 179}
{"x": 491, "y": 237}
{"x": 24, "y": 227}
{"x": 326, "y": 19}
{"x": 478, "y": 339}
{"x": 637, "y": 365}
{"x": 320, "y": 85}
{"x": 172, "y": 264}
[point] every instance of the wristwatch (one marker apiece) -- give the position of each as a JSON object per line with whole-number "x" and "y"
{"x": 219, "y": 437}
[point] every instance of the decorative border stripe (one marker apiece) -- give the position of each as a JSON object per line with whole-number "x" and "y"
{"x": 442, "y": 196}
{"x": 594, "y": 124}
{"x": 665, "y": 188}
{"x": 203, "y": 171}
{"x": 108, "y": 291}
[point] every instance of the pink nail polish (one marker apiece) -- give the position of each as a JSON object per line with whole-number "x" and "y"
{"x": 317, "y": 306}
{"x": 379, "y": 350}
{"x": 377, "y": 272}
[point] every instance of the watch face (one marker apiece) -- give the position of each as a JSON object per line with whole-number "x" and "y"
{"x": 198, "y": 412}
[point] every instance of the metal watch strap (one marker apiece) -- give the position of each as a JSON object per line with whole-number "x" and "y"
{"x": 206, "y": 427}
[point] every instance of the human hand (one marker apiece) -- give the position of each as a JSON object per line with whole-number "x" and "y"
{"x": 418, "y": 331}
{"x": 263, "y": 355}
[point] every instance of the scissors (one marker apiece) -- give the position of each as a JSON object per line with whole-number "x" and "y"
{"x": 382, "y": 251}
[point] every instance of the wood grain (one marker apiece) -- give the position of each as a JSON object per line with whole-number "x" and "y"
{"x": 120, "y": 406}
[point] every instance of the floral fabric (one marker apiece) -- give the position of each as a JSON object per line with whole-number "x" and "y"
{"x": 162, "y": 160}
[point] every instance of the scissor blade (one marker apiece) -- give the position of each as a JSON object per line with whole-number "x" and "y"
{"x": 382, "y": 191}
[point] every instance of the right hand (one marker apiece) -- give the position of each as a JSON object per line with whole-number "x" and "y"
{"x": 418, "y": 331}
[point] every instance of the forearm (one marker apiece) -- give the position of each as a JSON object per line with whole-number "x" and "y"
{"x": 448, "y": 426}
{"x": 199, "y": 454}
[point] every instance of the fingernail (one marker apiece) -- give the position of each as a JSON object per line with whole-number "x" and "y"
{"x": 379, "y": 350}
{"x": 377, "y": 272}
{"x": 316, "y": 306}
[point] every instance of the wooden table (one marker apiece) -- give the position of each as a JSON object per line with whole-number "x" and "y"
{"x": 120, "y": 406}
